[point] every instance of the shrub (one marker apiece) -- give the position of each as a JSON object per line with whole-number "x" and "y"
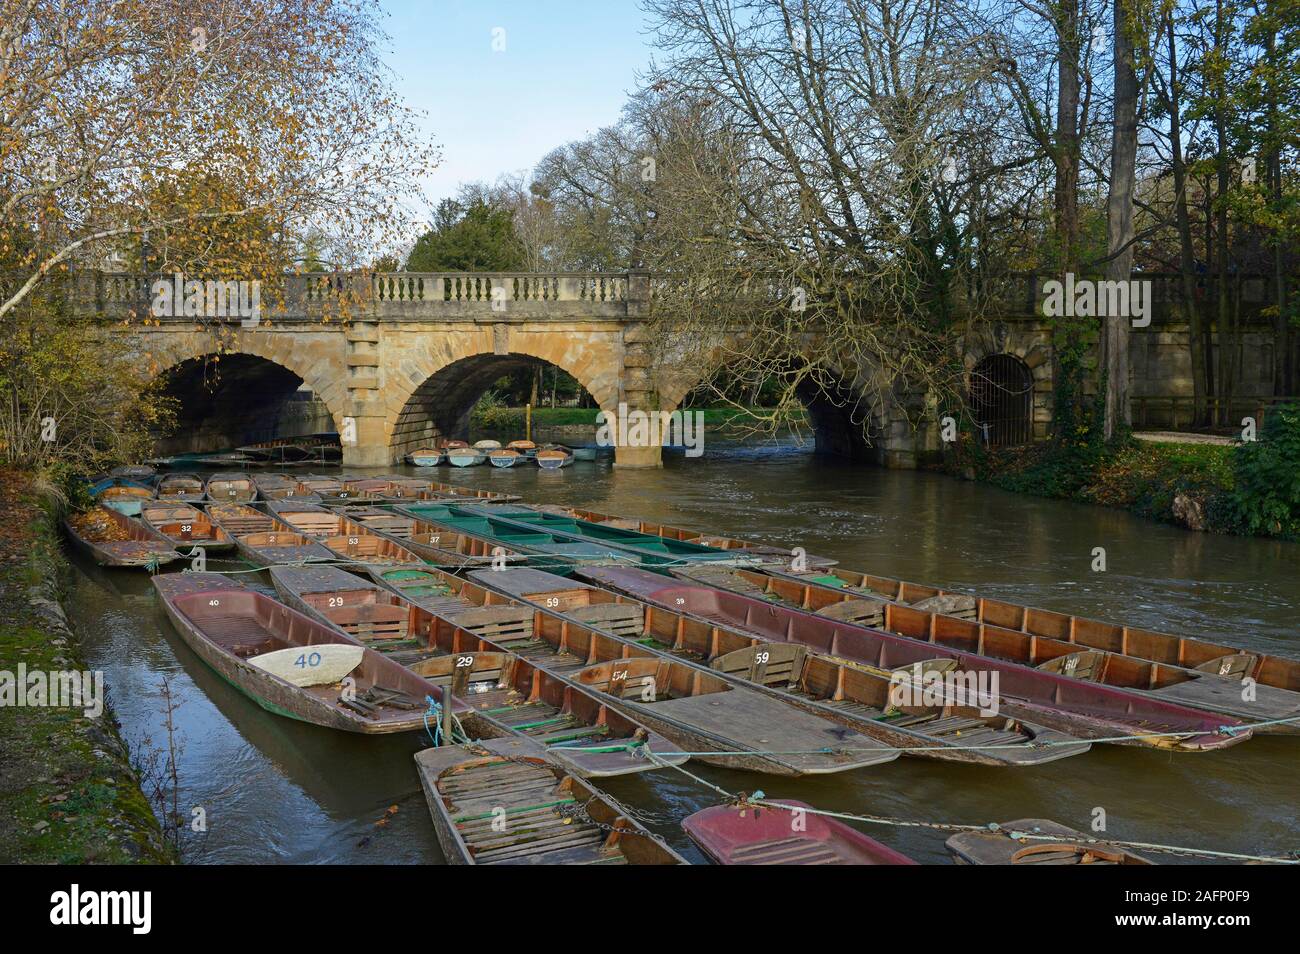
{"x": 1266, "y": 488}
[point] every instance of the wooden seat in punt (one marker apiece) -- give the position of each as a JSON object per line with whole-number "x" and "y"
{"x": 185, "y": 525}
{"x": 347, "y": 539}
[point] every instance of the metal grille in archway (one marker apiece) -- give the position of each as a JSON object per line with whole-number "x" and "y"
{"x": 1001, "y": 399}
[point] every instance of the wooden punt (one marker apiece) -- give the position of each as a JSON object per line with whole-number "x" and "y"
{"x": 760, "y": 552}
{"x": 505, "y": 457}
{"x": 1008, "y": 846}
{"x": 507, "y": 692}
{"x": 550, "y": 816}
{"x": 425, "y": 457}
{"x": 1081, "y": 709}
{"x": 738, "y": 726}
{"x": 526, "y": 528}
{"x": 407, "y": 488}
{"x": 114, "y": 539}
{"x": 277, "y": 487}
{"x": 346, "y": 539}
{"x": 262, "y": 540}
{"x": 441, "y": 491}
{"x": 186, "y": 488}
{"x": 230, "y": 488}
{"x": 513, "y": 537}
{"x": 185, "y": 525}
{"x": 747, "y": 834}
{"x": 234, "y": 630}
{"x": 282, "y": 450}
{"x": 134, "y": 471}
{"x": 309, "y": 484}
{"x": 1183, "y": 671}
{"x": 553, "y": 457}
{"x": 431, "y": 541}
{"x": 121, "y": 494}
{"x": 865, "y": 701}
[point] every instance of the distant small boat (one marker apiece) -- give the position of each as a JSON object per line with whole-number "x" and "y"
{"x": 467, "y": 787}
{"x": 428, "y": 457}
{"x": 504, "y": 457}
{"x": 183, "y": 487}
{"x": 554, "y": 457}
{"x": 123, "y": 495}
{"x": 487, "y": 445}
{"x": 584, "y": 453}
{"x": 114, "y": 539}
{"x": 449, "y": 445}
{"x": 523, "y": 447}
{"x": 1066, "y": 847}
{"x": 465, "y": 456}
{"x": 748, "y": 834}
{"x": 289, "y": 664}
{"x": 231, "y": 488}
{"x": 184, "y": 525}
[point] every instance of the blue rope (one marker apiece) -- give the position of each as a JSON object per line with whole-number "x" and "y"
{"x": 434, "y": 710}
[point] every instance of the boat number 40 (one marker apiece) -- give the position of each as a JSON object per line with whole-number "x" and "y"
{"x": 307, "y": 660}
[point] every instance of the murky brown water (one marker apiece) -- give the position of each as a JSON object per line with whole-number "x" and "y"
{"x": 277, "y": 790}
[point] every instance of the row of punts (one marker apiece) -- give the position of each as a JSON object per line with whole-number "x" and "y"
{"x": 575, "y": 645}
{"x": 462, "y": 454}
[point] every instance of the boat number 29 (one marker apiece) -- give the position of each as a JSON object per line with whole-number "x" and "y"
{"x": 336, "y": 601}
{"x": 307, "y": 660}
{"x": 464, "y": 662}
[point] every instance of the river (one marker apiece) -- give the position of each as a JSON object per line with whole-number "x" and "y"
{"x": 273, "y": 790}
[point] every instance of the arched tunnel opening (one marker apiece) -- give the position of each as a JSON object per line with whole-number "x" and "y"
{"x": 842, "y": 420}
{"x": 227, "y": 400}
{"x": 443, "y": 406}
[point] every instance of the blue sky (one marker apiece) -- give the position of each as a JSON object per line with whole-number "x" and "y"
{"x": 566, "y": 70}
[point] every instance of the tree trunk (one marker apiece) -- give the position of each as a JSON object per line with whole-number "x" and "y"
{"x": 1067, "y": 135}
{"x": 1186, "y": 254}
{"x": 1119, "y": 220}
{"x": 1222, "y": 175}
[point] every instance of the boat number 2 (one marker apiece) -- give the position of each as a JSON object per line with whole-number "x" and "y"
{"x": 307, "y": 659}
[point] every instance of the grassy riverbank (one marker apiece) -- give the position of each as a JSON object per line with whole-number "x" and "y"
{"x": 68, "y": 794}
{"x": 1246, "y": 488}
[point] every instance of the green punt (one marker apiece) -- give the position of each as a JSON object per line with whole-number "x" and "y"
{"x": 469, "y": 521}
{"x": 647, "y": 549}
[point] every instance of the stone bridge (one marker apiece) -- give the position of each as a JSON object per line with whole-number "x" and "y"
{"x": 399, "y": 359}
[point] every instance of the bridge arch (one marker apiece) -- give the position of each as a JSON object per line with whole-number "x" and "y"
{"x": 235, "y": 391}
{"x": 433, "y": 391}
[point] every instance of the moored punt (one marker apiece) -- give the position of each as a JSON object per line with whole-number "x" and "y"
{"x": 290, "y": 664}
{"x": 465, "y": 456}
{"x": 114, "y": 539}
{"x": 718, "y": 721}
{"x": 230, "y": 488}
{"x": 760, "y": 552}
{"x": 504, "y": 457}
{"x": 748, "y": 834}
{"x": 1086, "y": 710}
{"x": 134, "y": 471}
{"x": 864, "y": 700}
{"x": 514, "y": 537}
{"x": 504, "y": 691}
{"x": 553, "y": 457}
{"x": 1011, "y": 846}
{"x": 407, "y": 488}
{"x": 425, "y": 457}
{"x": 346, "y": 538}
{"x": 276, "y": 487}
{"x": 284, "y": 450}
{"x": 1210, "y": 677}
{"x": 453, "y": 492}
{"x": 186, "y": 488}
{"x": 431, "y": 541}
{"x": 262, "y": 540}
{"x": 123, "y": 495}
{"x": 650, "y": 549}
{"x": 552, "y": 817}
{"x": 309, "y": 484}
{"x": 185, "y": 525}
